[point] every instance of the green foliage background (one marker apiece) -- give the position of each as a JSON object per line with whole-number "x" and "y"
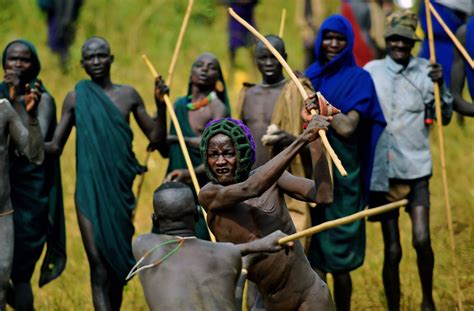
{"x": 134, "y": 27}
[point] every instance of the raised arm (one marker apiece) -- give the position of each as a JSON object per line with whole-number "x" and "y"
{"x": 214, "y": 196}
{"x": 27, "y": 140}
{"x": 153, "y": 128}
{"x": 63, "y": 130}
{"x": 458, "y": 76}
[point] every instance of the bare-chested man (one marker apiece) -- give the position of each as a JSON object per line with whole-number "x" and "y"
{"x": 257, "y": 102}
{"x": 28, "y": 141}
{"x": 461, "y": 70}
{"x": 244, "y": 206}
{"x": 256, "y": 108}
{"x": 197, "y": 275}
{"x": 106, "y": 166}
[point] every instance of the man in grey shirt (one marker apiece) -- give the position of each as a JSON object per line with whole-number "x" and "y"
{"x": 402, "y": 165}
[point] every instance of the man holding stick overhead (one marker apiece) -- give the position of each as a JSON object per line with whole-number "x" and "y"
{"x": 403, "y": 167}
{"x": 106, "y": 166}
{"x": 353, "y": 135}
{"x": 244, "y": 206}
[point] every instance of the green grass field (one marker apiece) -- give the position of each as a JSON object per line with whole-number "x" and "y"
{"x": 134, "y": 27}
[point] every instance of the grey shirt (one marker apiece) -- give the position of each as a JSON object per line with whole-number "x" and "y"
{"x": 403, "y": 150}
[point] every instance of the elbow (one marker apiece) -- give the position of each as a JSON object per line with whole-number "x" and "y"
{"x": 346, "y": 132}
{"x": 52, "y": 149}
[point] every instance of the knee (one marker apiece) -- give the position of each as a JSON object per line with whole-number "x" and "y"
{"x": 98, "y": 274}
{"x": 421, "y": 242}
{"x": 393, "y": 254}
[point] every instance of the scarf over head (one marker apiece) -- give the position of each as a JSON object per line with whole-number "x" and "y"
{"x": 176, "y": 157}
{"x": 349, "y": 87}
{"x": 244, "y": 145}
{"x": 37, "y": 197}
{"x": 34, "y": 70}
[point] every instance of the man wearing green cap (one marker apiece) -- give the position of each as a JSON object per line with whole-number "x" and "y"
{"x": 36, "y": 192}
{"x": 402, "y": 166}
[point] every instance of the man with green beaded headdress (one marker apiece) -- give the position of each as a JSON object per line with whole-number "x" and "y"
{"x": 36, "y": 192}
{"x": 243, "y": 206}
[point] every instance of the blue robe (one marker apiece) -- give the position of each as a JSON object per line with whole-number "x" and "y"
{"x": 348, "y": 87}
{"x": 443, "y": 44}
{"x": 470, "y": 49}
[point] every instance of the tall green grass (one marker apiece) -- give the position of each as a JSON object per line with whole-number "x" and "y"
{"x": 134, "y": 27}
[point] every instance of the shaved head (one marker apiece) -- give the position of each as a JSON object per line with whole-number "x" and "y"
{"x": 173, "y": 201}
{"x": 95, "y": 41}
{"x": 276, "y": 42}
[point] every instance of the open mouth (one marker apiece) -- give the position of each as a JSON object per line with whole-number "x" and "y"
{"x": 222, "y": 171}
{"x": 269, "y": 71}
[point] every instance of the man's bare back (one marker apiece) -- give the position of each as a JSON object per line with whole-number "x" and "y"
{"x": 197, "y": 274}
{"x": 209, "y": 285}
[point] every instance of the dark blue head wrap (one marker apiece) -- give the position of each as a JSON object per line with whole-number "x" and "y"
{"x": 34, "y": 70}
{"x": 36, "y": 65}
{"x": 349, "y": 87}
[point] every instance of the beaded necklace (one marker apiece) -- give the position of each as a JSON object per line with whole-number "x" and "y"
{"x": 135, "y": 269}
{"x": 202, "y": 102}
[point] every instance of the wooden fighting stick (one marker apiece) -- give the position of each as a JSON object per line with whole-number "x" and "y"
{"x": 182, "y": 143}
{"x": 441, "y": 153}
{"x": 453, "y": 38}
{"x": 343, "y": 221}
{"x": 300, "y": 87}
{"x": 282, "y": 23}
{"x": 169, "y": 79}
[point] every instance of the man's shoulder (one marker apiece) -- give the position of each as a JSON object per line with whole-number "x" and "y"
{"x": 126, "y": 89}
{"x": 5, "y": 106}
{"x": 144, "y": 242}
{"x": 374, "y": 65}
{"x": 249, "y": 89}
{"x": 4, "y": 102}
{"x": 420, "y": 61}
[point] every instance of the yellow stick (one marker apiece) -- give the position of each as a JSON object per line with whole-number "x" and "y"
{"x": 282, "y": 23}
{"x": 169, "y": 79}
{"x": 184, "y": 25}
{"x": 343, "y": 220}
{"x": 441, "y": 153}
{"x": 182, "y": 143}
{"x": 293, "y": 77}
{"x": 455, "y": 40}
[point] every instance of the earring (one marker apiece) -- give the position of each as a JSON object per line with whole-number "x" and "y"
{"x": 219, "y": 87}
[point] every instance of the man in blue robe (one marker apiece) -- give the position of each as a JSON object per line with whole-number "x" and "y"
{"x": 353, "y": 135}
